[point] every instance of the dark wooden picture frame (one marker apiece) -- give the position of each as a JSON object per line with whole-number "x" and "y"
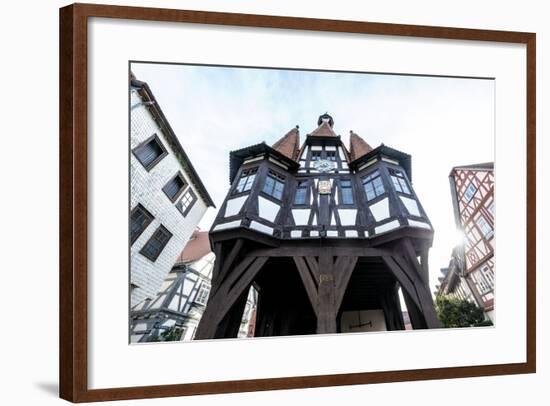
{"x": 73, "y": 362}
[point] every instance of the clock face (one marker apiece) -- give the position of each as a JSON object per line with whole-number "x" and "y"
{"x": 323, "y": 165}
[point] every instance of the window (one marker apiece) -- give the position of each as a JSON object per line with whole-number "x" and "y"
{"x": 470, "y": 192}
{"x": 399, "y": 182}
{"x": 150, "y": 152}
{"x": 315, "y": 155}
{"x": 246, "y": 180}
{"x": 346, "y": 191}
{"x": 484, "y": 227}
{"x": 186, "y": 202}
{"x": 140, "y": 219}
{"x": 174, "y": 187}
{"x": 301, "y": 192}
{"x": 274, "y": 185}
{"x": 203, "y": 293}
{"x": 331, "y": 155}
{"x": 156, "y": 243}
{"x": 373, "y": 185}
{"x": 489, "y": 274}
{"x": 481, "y": 283}
{"x": 491, "y": 208}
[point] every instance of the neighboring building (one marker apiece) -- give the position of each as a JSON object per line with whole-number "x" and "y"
{"x": 167, "y": 197}
{"x": 471, "y": 272}
{"x": 328, "y": 236}
{"x": 451, "y": 282}
{"x": 179, "y": 305}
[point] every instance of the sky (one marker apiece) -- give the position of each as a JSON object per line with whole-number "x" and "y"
{"x": 440, "y": 122}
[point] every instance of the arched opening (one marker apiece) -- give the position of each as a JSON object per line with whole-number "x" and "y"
{"x": 371, "y": 301}
{"x": 283, "y": 305}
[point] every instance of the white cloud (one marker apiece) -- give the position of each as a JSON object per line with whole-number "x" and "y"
{"x": 441, "y": 122}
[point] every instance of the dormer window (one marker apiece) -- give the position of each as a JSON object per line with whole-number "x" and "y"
{"x": 274, "y": 185}
{"x": 315, "y": 155}
{"x": 246, "y": 180}
{"x": 399, "y": 182}
{"x": 373, "y": 185}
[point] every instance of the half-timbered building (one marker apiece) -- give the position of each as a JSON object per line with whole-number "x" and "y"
{"x": 167, "y": 196}
{"x": 180, "y": 302}
{"x": 327, "y": 235}
{"x": 472, "y": 192}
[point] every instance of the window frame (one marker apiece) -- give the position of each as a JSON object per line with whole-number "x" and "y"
{"x": 364, "y": 183}
{"x": 490, "y": 232}
{"x": 141, "y": 146}
{"x": 204, "y": 286}
{"x": 473, "y": 193}
{"x": 245, "y": 174}
{"x": 143, "y": 251}
{"x": 180, "y": 176}
{"x": 179, "y": 205}
{"x": 400, "y": 182}
{"x": 350, "y": 190}
{"x": 316, "y": 155}
{"x": 134, "y": 238}
{"x": 331, "y": 154}
{"x": 277, "y": 178}
{"x": 300, "y": 188}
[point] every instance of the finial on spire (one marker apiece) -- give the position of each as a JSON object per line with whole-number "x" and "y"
{"x": 326, "y": 118}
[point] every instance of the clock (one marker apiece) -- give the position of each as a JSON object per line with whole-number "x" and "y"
{"x": 324, "y": 165}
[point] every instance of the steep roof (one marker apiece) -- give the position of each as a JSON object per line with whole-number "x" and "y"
{"x": 154, "y": 108}
{"x": 480, "y": 166}
{"x": 324, "y": 129}
{"x": 358, "y": 146}
{"x": 196, "y": 248}
{"x": 289, "y": 144}
{"x": 237, "y": 157}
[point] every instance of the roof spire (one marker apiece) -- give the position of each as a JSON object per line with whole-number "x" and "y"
{"x": 357, "y": 146}
{"x": 326, "y": 118}
{"x": 289, "y": 144}
{"x": 325, "y": 123}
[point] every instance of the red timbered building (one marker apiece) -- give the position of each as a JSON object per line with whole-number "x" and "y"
{"x": 472, "y": 190}
{"x": 326, "y": 235}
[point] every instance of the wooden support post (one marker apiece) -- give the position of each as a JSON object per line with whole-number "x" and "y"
{"x": 392, "y": 309}
{"x": 226, "y": 295}
{"x": 326, "y": 303}
{"x": 415, "y": 314}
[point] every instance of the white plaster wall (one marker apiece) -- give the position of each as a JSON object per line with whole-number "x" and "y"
{"x": 386, "y": 227}
{"x": 267, "y": 209}
{"x": 301, "y": 216}
{"x": 380, "y": 210}
{"x": 347, "y": 216}
{"x": 411, "y": 205}
{"x": 146, "y": 188}
{"x": 234, "y": 206}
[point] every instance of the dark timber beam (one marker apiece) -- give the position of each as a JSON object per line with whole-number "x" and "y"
{"x": 344, "y": 267}
{"x": 291, "y": 251}
{"x": 226, "y": 295}
{"x": 230, "y": 259}
{"x": 308, "y": 281}
{"x": 326, "y": 302}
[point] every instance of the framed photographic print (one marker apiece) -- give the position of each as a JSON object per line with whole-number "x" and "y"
{"x": 275, "y": 202}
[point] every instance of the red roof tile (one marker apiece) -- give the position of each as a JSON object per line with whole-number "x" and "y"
{"x": 289, "y": 144}
{"x": 196, "y": 248}
{"x": 324, "y": 130}
{"x": 357, "y": 146}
